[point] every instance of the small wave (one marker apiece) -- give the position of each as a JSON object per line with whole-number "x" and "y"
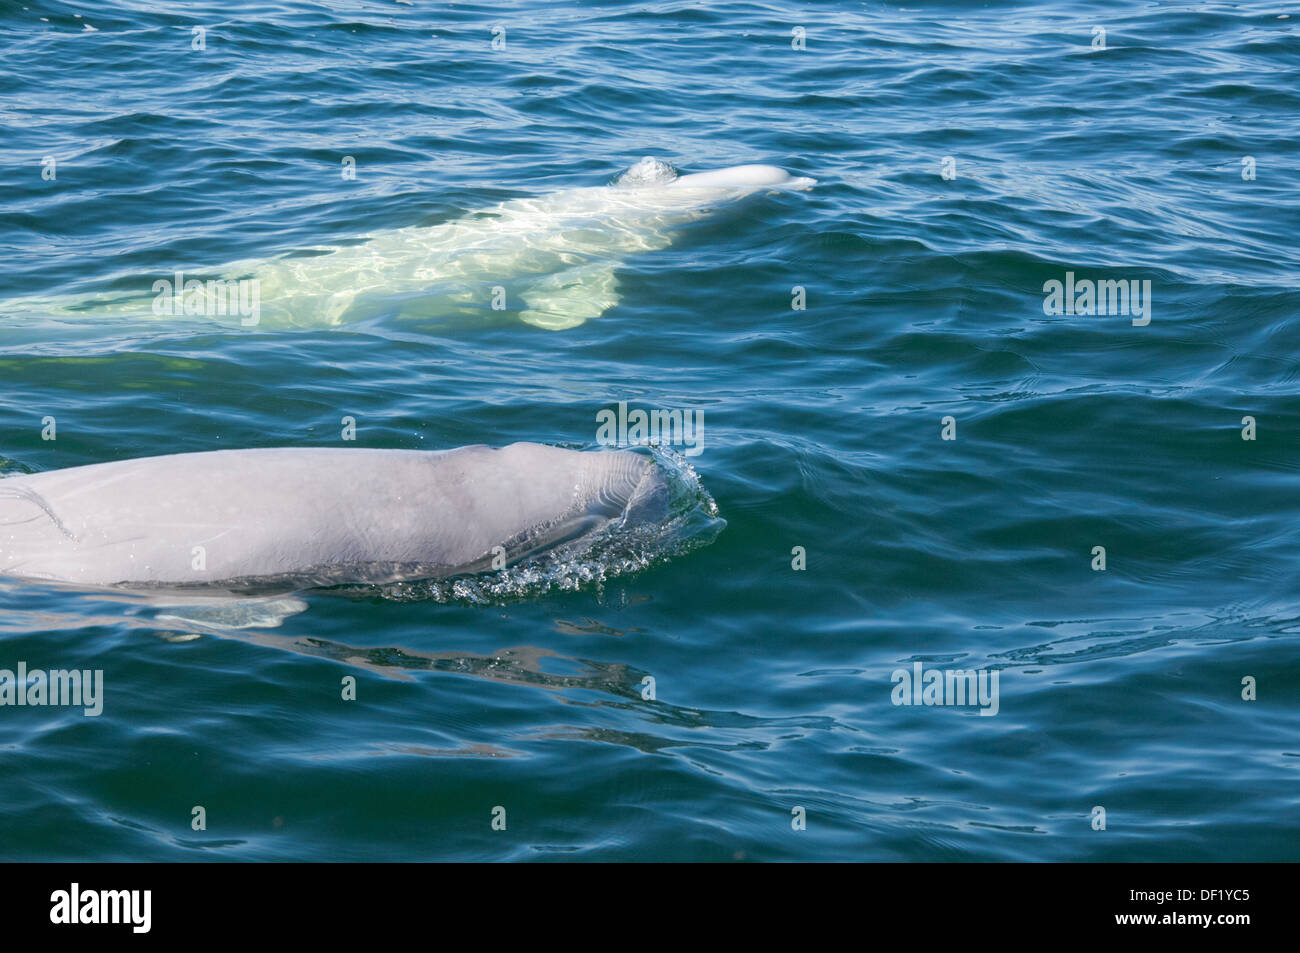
{"x": 9, "y": 467}
{"x": 648, "y": 171}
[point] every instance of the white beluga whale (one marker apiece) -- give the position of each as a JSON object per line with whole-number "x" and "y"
{"x": 289, "y": 519}
{"x": 552, "y": 260}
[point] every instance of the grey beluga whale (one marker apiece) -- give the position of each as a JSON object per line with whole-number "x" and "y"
{"x": 550, "y": 259}
{"x": 289, "y": 519}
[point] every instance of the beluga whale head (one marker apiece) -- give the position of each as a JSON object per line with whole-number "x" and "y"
{"x": 650, "y": 172}
{"x": 744, "y": 178}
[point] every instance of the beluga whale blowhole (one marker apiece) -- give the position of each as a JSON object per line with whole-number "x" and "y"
{"x": 551, "y": 260}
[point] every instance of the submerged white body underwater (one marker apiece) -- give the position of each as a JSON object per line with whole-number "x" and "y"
{"x": 553, "y": 259}
{"x": 297, "y": 518}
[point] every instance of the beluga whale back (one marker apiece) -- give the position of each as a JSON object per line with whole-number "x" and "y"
{"x": 551, "y": 259}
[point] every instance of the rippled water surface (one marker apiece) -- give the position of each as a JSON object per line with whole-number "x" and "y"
{"x": 1167, "y": 151}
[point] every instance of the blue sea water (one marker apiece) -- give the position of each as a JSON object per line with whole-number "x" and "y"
{"x": 1165, "y": 149}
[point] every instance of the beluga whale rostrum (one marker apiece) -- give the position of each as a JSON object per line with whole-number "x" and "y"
{"x": 552, "y": 260}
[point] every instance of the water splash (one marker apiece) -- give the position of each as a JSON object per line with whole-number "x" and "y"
{"x": 647, "y": 172}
